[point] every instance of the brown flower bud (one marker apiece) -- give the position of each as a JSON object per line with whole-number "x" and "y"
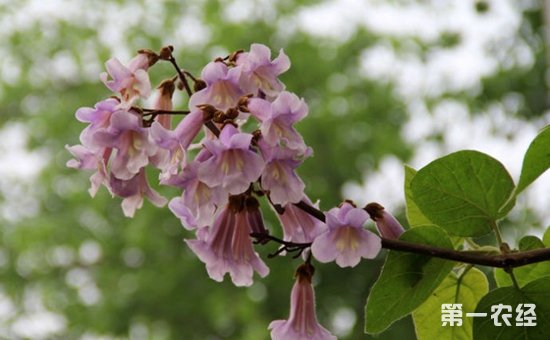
{"x": 199, "y": 85}
{"x": 152, "y": 57}
{"x": 166, "y": 52}
{"x": 256, "y": 135}
{"x": 208, "y": 111}
{"x": 232, "y": 113}
{"x": 305, "y": 272}
{"x": 167, "y": 88}
{"x": 219, "y": 117}
{"x": 242, "y": 104}
{"x": 387, "y": 225}
{"x": 233, "y": 56}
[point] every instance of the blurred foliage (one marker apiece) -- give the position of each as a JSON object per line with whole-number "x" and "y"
{"x": 144, "y": 282}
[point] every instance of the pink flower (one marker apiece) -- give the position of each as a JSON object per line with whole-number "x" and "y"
{"x": 92, "y": 155}
{"x": 279, "y": 176}
{"x": 299, "y": 226}
{"x": 233, "y": 166}
{"x": 227, "y": 247}
{"x": 345, "y": 240}
{"x": 98, "y": 116}
{"x": 130, "y": 81}
{"x": 302, "y": 322}
{"x": 387, "y": 225}
{"x": 133, "y": 191}
{"x": 260, "y": 72}
{"x": 91, "y": 160}
{"x": 222, "y": 87}
{"x": 197, "y": 205}
{"x": 175, "y": 142}
{"x": 278, "y": 118}
{"x": 163, "y": 101}
{"x": 99, "y": 119}
{"x": 131, "y": 141}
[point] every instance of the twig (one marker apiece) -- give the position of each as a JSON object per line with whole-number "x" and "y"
{"x": 508, "y": 260}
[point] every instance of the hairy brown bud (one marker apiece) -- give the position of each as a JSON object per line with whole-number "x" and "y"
{"x": 232, "y": 113}
{"x": 166, "y": 52}
{"x": 208, "y": 111}
{"x": 199, "y": 85}
{"x": 305, "y": 272}
{"x": 167, "y": 87}
{"x": 256, "y": 135}
{"x": 375, "y": 210}
{"x": 219, "y": 117}
{"x": 242, "y": 104}
{"x": 151, "y": 55}
{"x": 233, "y": 56}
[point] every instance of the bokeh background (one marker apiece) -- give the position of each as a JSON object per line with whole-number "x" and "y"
{"x": 387, "y": 83}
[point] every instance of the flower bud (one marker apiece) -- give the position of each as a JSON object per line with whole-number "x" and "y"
{"x": 387, "y": 225}
{"x": 199, "y": 85}
{"x": 166, "y": 52}
{"x": 152, "y": 57}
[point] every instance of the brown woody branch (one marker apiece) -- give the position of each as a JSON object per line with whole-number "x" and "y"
{"x": 508, "y": 260}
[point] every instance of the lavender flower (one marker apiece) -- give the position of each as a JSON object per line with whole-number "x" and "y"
{"x": 233, "y": 166}
{"x": 199, "y": 202}
{"x": 133, "y": 191}
{"x": 131, "y": 141}
{"x": 279, "y": 176}
{"x": 163, "y": 101}
{"x": 260, "y": 72}
{"x": 299, "y": 226}
{"x": 91, "y": 160}
{"x": 302, "y": 322}
{"x": 130, "y": 81}
{"x": 175, "y": 142}
{"x": 227, "y": 247}
{"x": 92, "y": 155}
{"x": 222, "y": 90}
{"x": 345, "y": 240}
{"x": 278, "y": 118}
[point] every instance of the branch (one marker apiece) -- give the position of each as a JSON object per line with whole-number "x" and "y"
{"x": 164, "y": 112}
{"x": 509, "y": 260}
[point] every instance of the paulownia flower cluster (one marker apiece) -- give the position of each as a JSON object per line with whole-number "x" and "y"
{"x": 237, "y": 143}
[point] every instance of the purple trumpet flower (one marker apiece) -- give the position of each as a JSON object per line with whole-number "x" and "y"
{"x": 277, "y": 119}
{"x": 302, "y": 322}
{"x": 130, "y": 81}
{"x": 226, "y": 247}
{"x": 299, "y": 226}
{"x": 133, "y": 191}
{"x": 233, "y": 166}
{"x": 345, "y": 240}
{"x": 222, "y": 90}
{"x": 259, "y": 72}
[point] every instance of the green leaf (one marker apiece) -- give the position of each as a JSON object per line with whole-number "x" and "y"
{"x": 414, "y": 215}
{"x": 536, "y": 160}
{"x": 528, "y": 273}
{"x": 536, "y": 292}
{"x": 467, "y": 290}
{"x": 463, "y": 192}
{"x": 530, "y": 242}
{"x": 546, "y": 237}
{"x": 407, "y": 279}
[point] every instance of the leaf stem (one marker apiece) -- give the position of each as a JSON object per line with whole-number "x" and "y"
{"x": 510, "y": 272}
{"x": 459, "y": 280}
{"x": 494, "y": 226}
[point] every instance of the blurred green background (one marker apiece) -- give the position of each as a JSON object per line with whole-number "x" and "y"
{"x": 74, "y": 267}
